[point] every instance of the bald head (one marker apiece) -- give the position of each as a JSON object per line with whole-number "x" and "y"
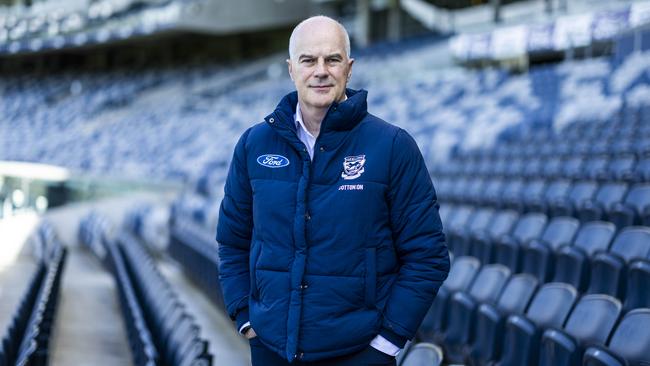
{"x": 317, "y": 25}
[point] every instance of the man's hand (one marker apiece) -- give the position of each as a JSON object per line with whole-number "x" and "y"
{"x": 250, "y": 334}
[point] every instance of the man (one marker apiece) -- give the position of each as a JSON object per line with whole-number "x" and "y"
{"x": 331, "y": 247}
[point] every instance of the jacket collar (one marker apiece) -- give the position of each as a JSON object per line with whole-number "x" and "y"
{"x": 340, "y": 117}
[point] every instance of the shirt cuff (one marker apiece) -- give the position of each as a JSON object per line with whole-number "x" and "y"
{"x": 383, "y": 345}
{"x": 247, "y": 324}
{"x": 242, "y": 318}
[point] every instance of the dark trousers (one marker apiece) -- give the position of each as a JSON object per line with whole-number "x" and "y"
{"x": 262, "y": 356}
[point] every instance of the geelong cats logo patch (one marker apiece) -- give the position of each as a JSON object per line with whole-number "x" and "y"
{"x": 272, "y": 161}
{"x": 353, "y": 166}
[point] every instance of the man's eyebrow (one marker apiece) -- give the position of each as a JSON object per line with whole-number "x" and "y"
{"x": 305, "y": 56}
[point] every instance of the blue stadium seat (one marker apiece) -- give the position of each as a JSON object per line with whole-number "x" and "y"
{"x": 595, "y": 168}
{"x": 572, "y": 263}
{"x": 573, "y": 167}
{"x": 580, "y": 192}
{"x": 533, "y": 191}
{"x": 622, "y": 167}
{"x": 549, "y": 309}
{"x": 474, "y": 191}
{"x": 534, "y": 168}
{"x": 457, "y": 225}
{"x": 628, "y": 346}
{"x": 538, "y": 256}
{"x": 556, "y": 191}
{"x": 608, "y": 269}
{"x": 642, "y": 171}
{"x": 483, "y": 243}
{"x": 635, "y": 210}
{"x": 492, "y": 193}
{"x": 511, "y": 193}
{"x": 423, "y": 354}
{"x": 553, "y": 168}
{"x": 477, "y": 223}
{"x": 462, "y": 308}
{"x": 507, "y": 248}
{"x": 590, "y": 323}
{"x": 490, "y": 319}
{"x": 461, "y": 275}
{"x": 598, "y": 207}
{"x": 638, "y": 289}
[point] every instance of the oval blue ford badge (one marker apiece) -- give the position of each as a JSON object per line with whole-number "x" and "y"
{"x": 272, "y": 161}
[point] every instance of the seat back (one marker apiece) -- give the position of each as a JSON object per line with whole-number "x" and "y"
{"x": 558, "y": 189}
{"x": 502, "y": 223}
{"x": 611, "y": 193}
{"x": 489, "y": 282}
{"x": 593, "y": 319}
{"x": 582, "y": 191}
{"x": 552, "y": 304}
{"x": 480, "y": 220}
{"x": 423, "y": 354}
{"x": 459, "y": 219}
{"x": 561, "y": 230}
{"x": 632, "y": 243}
{"x": 529, "y": 227}
{"x": 461, "y": 273}
{"x": 638, "y": 290}
{"x": 595, "y": 236}
{"x": 639, "y": 197}
{"x": 517, "y": 294}
{"x": 631, "y": 339}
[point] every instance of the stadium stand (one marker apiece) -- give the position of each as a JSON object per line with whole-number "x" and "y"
{"x": 27, "y": 338}
{"x": 160, "y": 329}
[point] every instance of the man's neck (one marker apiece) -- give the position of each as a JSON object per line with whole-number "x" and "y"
{"x": 313, "y": 117}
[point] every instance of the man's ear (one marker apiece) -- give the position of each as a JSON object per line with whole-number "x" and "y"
{"x": 350, "y": 62}
{"x": 289, "y": 68}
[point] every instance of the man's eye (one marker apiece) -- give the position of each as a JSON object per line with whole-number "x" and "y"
{"x": 307, "y": 60}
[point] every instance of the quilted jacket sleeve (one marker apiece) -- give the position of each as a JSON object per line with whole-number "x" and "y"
{"x": 234, "y": 231}
{"x": 419, "y": 242}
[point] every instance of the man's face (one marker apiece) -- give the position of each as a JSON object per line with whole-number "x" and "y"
{"x": 320, "y": 67}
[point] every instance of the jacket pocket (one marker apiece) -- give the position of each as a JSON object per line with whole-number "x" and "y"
{"x": 371, "y": 277}
{"x": 254, "y": 257}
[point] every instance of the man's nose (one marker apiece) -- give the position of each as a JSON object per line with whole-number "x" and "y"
{"x": 321, "y": 69}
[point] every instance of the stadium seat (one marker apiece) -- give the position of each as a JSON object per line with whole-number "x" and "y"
{"x": 629, "y": 344}
{"x": 463, "y": 237}
{"x": 538, "y": 256}
{"x": 572, "y": 168}
{"x": 490, "y": 319}
{"x": 608, "y": 269}
{"x": 461, "y": 275}
{"x": 595, "y": 168}
{"x": 508, "y": 247}
{"x": 590, "y": 323}
{"x": 511, "y": 193}
{"x": 556, "y": 191}
{"x": 621, "y": 168}
{"x": 598, "y": 207}
{"x": 549, "y": 309}
{"x": 457, "y": 226}
{"x": 572, "y": 263}
{"x": 533, "y": 192}
{"x": 483, "y": 243}
{"x": 638, "y": 291}
{"x": 635, "y": 210}
{"x": 423, "y": 354}
{"x": 462, "y": 308}
{"x": 492, "y": 192}
{"x": 553, "y": 168}
{"x": 580, "y": 192}
{"x": 642, "y": 171}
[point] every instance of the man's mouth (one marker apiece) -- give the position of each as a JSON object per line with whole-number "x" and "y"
{"x": 321, "y": 87}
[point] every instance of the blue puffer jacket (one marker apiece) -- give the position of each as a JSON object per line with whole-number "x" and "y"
{"x": 323, "y": 255}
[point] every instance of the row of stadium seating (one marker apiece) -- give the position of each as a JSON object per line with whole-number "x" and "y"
{"x": 160, "y": 329}
{"x": 27, "y": 338}
{"x": 486, "y": 314}
{"x": 585, "y": 200}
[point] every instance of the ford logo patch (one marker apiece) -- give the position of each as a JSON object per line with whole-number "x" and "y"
{"x": 272, "y": 161}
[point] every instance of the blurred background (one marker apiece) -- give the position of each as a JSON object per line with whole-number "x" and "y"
{"x": 117, "y": 124}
